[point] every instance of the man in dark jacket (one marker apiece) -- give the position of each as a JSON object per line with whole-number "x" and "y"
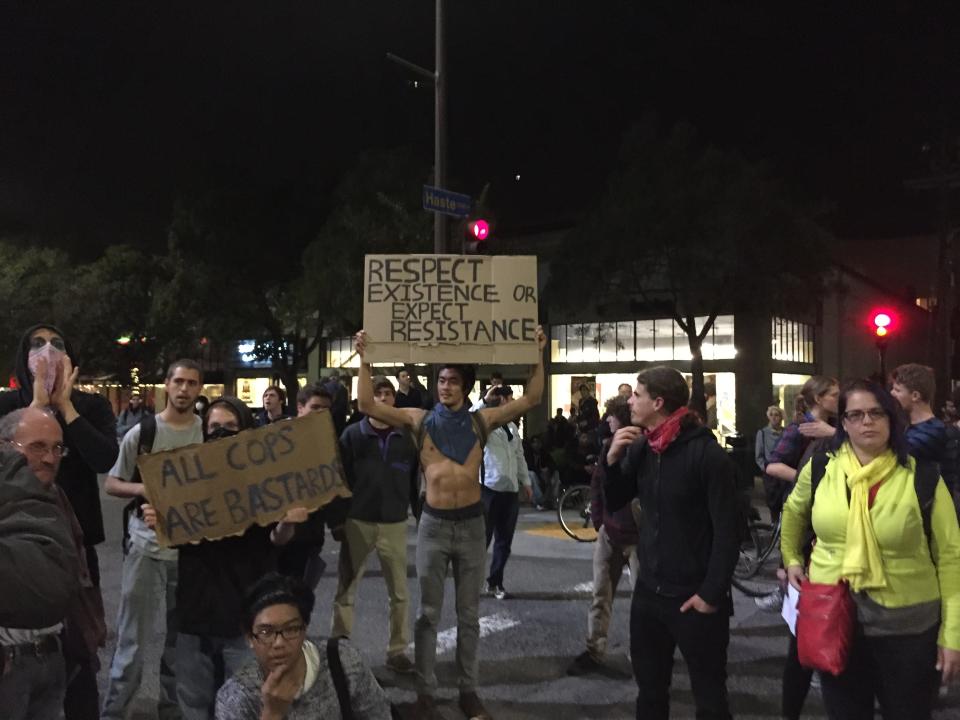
{"x": 687, "y": 547}
{"x": 380, "y": 465}
{"x": 31, "y": 679}
{"x": 39, "y": 575}
{"x": 87, "y": 420}
{"x": 38, "y": 563}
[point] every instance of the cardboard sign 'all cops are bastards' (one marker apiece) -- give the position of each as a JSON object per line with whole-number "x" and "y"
{"x": 220, "y": 488}
{"x": 450, "y": 308}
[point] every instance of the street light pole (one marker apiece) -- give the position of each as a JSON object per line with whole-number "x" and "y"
{"x": 440, "y": 129}
{"x": 439, "y": 79}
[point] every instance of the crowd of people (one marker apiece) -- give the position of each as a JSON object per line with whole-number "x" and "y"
{"x": 665, "y": 503}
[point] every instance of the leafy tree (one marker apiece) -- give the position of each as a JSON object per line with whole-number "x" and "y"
{"x": 694, "y": 230}
{"x": 29, "y": 280}
{"x": 234, "y": 268}
{"x": 106, "y": 310}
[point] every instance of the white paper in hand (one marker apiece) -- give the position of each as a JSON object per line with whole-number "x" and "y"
{"x": 789, "y": 611}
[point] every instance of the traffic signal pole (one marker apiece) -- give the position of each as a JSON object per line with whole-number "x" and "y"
{"x": 439, "y": 79}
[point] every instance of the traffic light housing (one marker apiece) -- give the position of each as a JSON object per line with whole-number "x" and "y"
{"x": 883, "y": 325}
{"x": 476, "y": 233}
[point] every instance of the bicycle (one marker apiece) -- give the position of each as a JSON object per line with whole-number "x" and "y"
{"x": 749, "y": 575}
{"x": 573, "y": 513}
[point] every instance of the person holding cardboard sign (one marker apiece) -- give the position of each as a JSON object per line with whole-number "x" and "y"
{"x": 213, "y": 576}
{"x": 452, "y": 529}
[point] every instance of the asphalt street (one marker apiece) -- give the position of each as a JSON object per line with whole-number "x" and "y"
{"x": 528, "y": 639}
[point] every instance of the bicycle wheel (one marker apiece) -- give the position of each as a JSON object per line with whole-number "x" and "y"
{"x": 573, "y": 512}
{"x": 758, "y": 586}
{"x": 754, "y": 550}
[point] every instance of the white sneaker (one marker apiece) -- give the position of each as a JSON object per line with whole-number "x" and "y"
{"x": 771, "y": 602}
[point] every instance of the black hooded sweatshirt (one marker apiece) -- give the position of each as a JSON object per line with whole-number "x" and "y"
{"x": 688, "y": 530}
{"x": 91, "y": 439}
{"x": 214, "y": 575}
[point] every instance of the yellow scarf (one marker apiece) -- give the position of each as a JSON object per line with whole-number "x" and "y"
{"x": 862, "y": 563}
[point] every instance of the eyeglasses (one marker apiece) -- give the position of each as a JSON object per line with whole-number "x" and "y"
{"x": 39, "y": 449}
{"x": 856, "y": 416}
{"x": 268, "y": 635}
{"x": 38, "y": 342}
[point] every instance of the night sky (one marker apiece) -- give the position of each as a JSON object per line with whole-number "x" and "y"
{"x": 108, "y": 113}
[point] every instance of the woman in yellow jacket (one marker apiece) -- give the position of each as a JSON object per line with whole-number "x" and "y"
{"x": 907, "y": 591}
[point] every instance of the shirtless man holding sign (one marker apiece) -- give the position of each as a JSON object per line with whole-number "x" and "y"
{"x": 452, "y": 527}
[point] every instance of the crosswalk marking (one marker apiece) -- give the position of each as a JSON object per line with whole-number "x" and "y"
{"x": 489, "y": 624}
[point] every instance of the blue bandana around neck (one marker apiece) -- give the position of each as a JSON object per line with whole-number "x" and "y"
{"x": 451, "y": 431}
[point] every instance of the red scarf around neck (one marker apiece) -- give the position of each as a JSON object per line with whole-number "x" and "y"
{"x": 660, "y": 437}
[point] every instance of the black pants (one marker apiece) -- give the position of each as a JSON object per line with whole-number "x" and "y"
{"x": 896, "y": 670}
{"x": 502, "y": 510}
{"x": 657, "y": 627}
{"x": 82, "y": 699}
{"x": 796, "y": 683}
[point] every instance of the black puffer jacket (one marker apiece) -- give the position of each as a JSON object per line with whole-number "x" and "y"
{"x": 688, "y": 531}
{"x": 38, "y": 561}
{"x": 91, "y": 438}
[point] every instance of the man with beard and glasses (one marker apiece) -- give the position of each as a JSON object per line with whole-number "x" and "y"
{"x": 452, "y": 530}
{"x": 213, "y": 576}
{"x": 149, "y": 578}
{"x": 46, "y": 369}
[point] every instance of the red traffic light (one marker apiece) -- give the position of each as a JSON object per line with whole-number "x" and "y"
{"x": 480, "y": 229}
{"x": 883, "y": 322}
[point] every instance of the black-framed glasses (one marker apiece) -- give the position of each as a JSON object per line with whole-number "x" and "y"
{"x": 268, "y": 635}
{"x": 856, "y": 416}
{"x": 38, "y": 342}
{"x": 40, "y": 449}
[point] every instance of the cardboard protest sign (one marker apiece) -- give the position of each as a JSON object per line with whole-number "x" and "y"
{"x": 221, "y": 488}
{"x": 450, "y": 308}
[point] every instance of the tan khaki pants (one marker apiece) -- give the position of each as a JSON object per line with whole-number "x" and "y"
{"x": 390, "y": 542}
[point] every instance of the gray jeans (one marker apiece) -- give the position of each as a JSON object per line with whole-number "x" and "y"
{"x": 204, "y": 663}
{"x": 147, "y": 584}
{"x": 462, "y": 544}
{"x": 32, "y": 688}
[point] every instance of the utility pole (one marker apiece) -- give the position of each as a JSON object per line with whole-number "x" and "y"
{"x": 439, "y": 79}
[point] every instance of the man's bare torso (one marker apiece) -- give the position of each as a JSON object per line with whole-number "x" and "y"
{"x": 450, "y": 485}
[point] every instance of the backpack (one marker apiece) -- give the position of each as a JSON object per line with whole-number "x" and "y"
{"x": 148, "y": 433}
{"x": 925, "y": 481}
{"x": 340, "y": 682}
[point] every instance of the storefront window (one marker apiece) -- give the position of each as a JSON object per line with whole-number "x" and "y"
{"x": 625, "y": 341}
{"x": 663, "y": 340}
{"x": 558, "y": 343}
{"x": 607, "y": 335}
{"x": 786, "y": 387}
{"x": 792, "y": 340}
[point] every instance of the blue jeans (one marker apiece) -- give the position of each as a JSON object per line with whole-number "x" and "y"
{"x": 204, "y": 663}
{"x": 33, "y": 688}
{"x": 442, "y": 543}
{"x": 145, "y": 582}
{"x": 502, "y": 511}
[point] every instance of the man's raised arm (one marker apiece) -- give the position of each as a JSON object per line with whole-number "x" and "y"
{"x": 395, "y": 417}
{"x": 497, "y": 416}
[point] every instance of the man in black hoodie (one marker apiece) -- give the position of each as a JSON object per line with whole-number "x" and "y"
{"x": 688, "y": 544}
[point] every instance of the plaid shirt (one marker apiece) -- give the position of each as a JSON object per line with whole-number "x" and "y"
{"x": 792, "y": 445}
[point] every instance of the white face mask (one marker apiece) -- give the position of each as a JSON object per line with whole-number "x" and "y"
{"x": 54, "y": 360}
